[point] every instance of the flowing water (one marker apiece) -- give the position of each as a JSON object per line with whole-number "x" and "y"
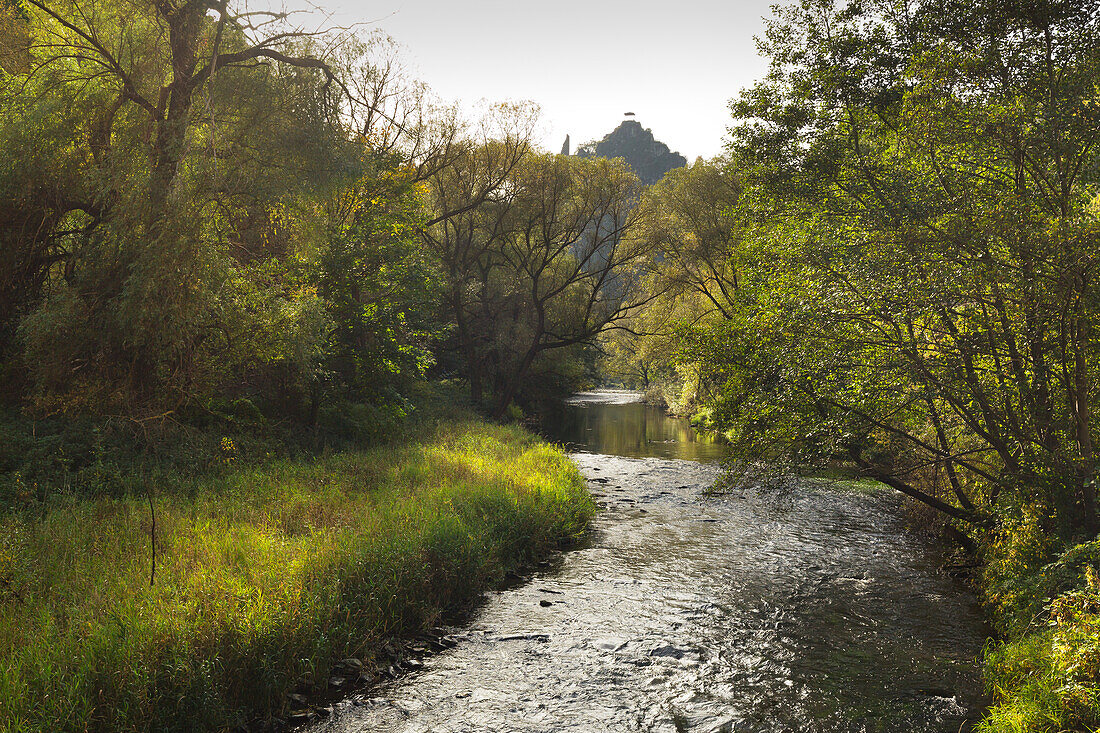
{"x": 810, "y": 610}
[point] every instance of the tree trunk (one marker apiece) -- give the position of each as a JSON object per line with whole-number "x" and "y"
{"x": 184, "y": 27}
{"x": 895, "y": 483}
{"x": 511, "y": 386}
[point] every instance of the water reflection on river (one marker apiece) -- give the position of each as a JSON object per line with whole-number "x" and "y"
{"x": 811, "y": 610}
{"x": 618, "y": 423}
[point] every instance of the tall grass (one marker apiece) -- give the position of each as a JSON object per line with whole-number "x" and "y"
{"x": 264, "y": 576}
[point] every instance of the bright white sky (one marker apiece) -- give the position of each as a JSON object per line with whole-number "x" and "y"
{"x": 675, "y": 63}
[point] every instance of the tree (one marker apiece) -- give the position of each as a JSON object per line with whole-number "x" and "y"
{"x": 197, "y": 39}
{"x": 154, "y": 255}
{"x": 462, "y": 233}
{"x": 537, "y": 256}
{"x": 379, "y": 283}
{"x": 690, "y": 218}
{"x": 689, "y": 221}
{"x": 917, "y": 205}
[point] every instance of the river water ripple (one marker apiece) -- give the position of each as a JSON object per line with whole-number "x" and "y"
{"x": 811, "y": 610}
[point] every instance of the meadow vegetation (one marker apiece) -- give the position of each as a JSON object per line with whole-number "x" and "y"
{"x": 266, "y": 574}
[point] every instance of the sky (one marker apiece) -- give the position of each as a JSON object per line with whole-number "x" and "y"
{"x": 674, "y": 63}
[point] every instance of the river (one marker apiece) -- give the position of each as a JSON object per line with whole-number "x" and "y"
{"x": 812, "y": 609}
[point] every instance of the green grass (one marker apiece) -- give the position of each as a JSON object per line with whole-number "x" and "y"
{"x": 264, "y": 575}
{"x": 1044, "y": 677}
{"x": 867, "y": 486}
{"x": 1045, "y": 681}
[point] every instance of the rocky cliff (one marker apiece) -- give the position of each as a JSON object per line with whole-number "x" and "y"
{"x": 650, "y": 158}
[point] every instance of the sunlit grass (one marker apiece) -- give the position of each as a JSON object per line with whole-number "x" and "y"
{"x": 1045, "y": 680}
{"x": 1036, "y": 692}
{"x": 264, "y": 576}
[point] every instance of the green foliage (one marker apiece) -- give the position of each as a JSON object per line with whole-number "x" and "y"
{"x": 1020, "y": 573}
{"x": 267, "y": 574}
{"x": 382, "y": 289}
{"x": 1047, "y": 680}
{"x": 154, "y": 258}
{"x": 910, "y": 256}
{"x": 689, "y": 222}
{"x": 364, "y": 423}
{"x": 538, "y": 257}
{"x": 88, "y": 457}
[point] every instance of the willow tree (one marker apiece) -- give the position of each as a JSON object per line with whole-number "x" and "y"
{"x": 690, "y": 217}
{"x": 689, "y": 221}
{"x": 147, "y": 225}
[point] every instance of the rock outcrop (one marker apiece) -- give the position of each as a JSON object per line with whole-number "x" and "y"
{"x": 650, "y": 158}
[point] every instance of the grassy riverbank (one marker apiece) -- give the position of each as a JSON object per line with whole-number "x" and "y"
{"x": 264, "y": 575}
{"x": 1044, "y": 677}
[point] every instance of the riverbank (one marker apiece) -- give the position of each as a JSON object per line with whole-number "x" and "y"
{"x": 1044, "y": 676}
{"x": 810, "y": 609}
{"x": 266, "y": 577}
